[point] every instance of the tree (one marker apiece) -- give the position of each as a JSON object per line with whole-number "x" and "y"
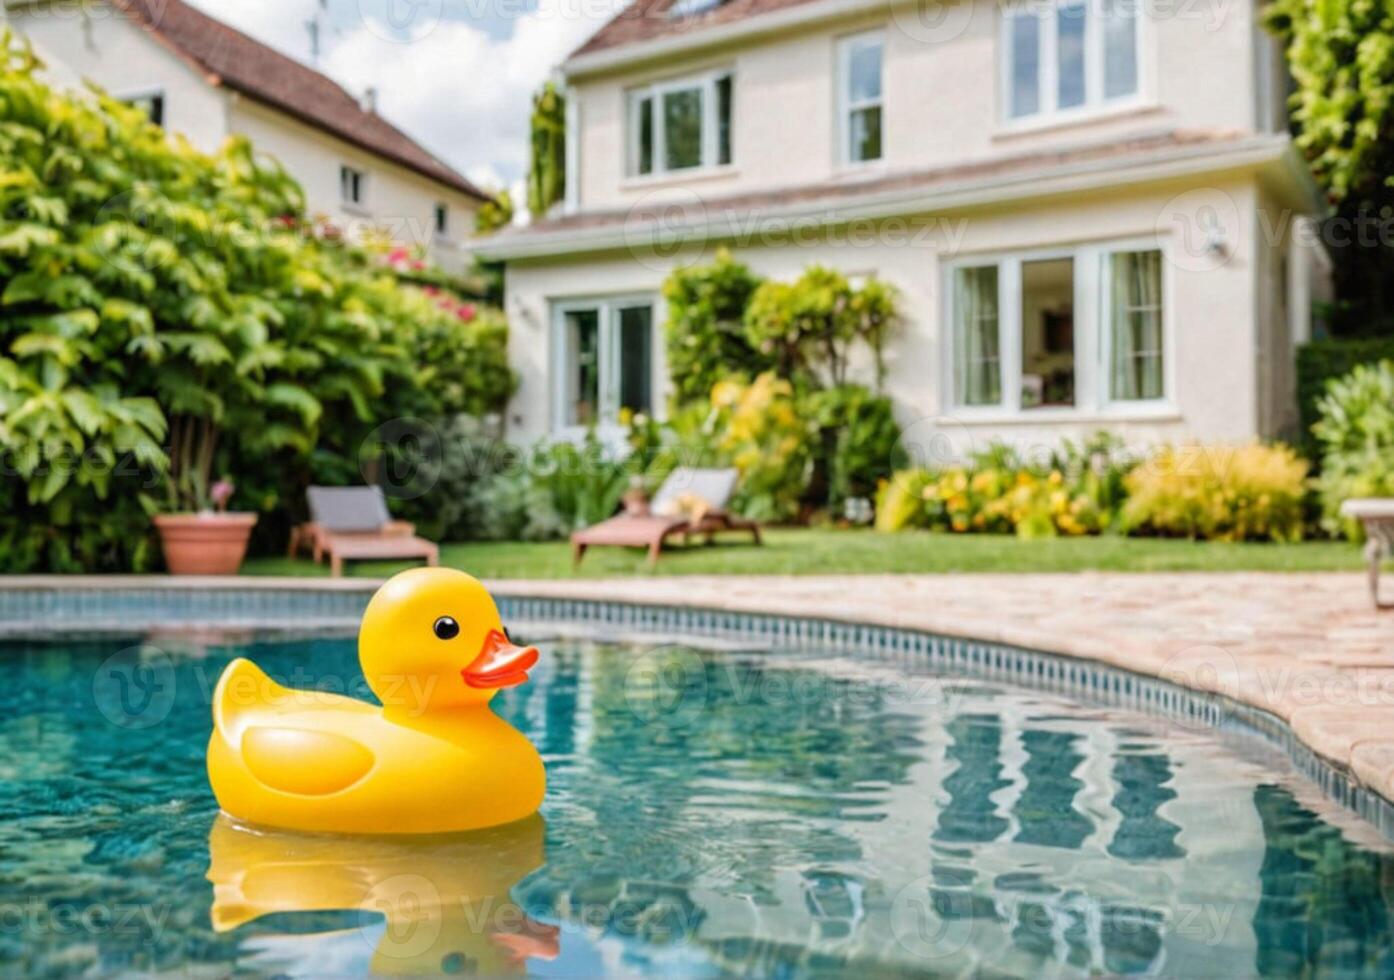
{"x": 547, "y": 173}
{"x": 1341, "y": 54}
{"x": 495, "y": 213}
{"x": 706, "y": 336}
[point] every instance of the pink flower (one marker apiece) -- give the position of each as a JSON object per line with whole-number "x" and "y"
{"x": 221, "y": 492}
{"x": 418, "y": 265}
{"x": 466, "y": 313}
{"x": 431, "y": 290}
{"x": 398, "y": 255}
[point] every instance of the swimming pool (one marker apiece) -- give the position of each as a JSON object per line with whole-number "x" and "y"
{"x": 708, "y": 813}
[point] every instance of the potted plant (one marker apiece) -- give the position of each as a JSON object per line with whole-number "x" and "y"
{"x": 199, "y": 535}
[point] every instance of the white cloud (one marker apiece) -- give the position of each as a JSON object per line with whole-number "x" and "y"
{"x": 462, "y": 93}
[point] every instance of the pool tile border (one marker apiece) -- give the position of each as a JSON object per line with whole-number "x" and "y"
{"x": 239, "y": 604}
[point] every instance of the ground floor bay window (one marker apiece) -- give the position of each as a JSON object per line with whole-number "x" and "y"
{"x": 604, "y": 361}
{"x": 1059, "y": 331}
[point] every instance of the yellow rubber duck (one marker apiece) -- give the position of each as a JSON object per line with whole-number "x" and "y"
{"x": 433, "y": 759}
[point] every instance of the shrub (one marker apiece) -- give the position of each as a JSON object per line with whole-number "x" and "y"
{"x": 809, "y": 327}
{"x": 759, "y": 430}
{"x": 859, "y": 441}
{"x": 1219, "y": 493}
{"x": 1324, "y": 361}
{"x": 705, "y": 330}
{"x": 1355, "y": 434}
{"x": 1077, "y": 492}
{"x": 900, "y": 500}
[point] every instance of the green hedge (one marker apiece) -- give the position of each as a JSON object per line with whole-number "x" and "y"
{"x": 1324, "y": 360}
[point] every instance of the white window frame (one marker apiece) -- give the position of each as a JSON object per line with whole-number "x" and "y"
{"x": 1048, "y": 111}
{"x": 608, "y": 309}
{"x": 137, "y": 96}
{"x": 1093, "y": 336}
{"x": 362, "y": 201}
{"x": 1105, "y": 317}
{"x": 706, "y": 82}
{"x": 846, "y": 105}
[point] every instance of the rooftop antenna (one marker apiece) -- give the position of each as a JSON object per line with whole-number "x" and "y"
{"x": 316, "y": 30}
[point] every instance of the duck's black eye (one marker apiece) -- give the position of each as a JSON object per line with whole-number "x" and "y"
{"x": 446, "y": 628}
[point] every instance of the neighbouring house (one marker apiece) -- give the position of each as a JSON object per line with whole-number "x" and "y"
{"x": 1092, "y": 209}
{"x": 201, "y": 78}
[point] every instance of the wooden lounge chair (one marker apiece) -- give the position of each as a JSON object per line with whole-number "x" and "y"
{"x": 1376, "y": 515}
{"x": 351, "y": 524}
{"x": 690, "y": 502}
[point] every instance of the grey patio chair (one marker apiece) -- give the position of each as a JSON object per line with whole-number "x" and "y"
{"x": 349, "y": 523}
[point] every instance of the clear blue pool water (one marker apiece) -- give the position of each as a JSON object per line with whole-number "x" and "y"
{"x": 708, "y": 814}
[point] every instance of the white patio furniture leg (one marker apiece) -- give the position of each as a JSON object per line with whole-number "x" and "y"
{"x": 1374, "y": 556}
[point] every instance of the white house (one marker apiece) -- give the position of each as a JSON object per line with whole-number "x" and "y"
{"x": 1091, "y": 208}
{"x": 198, "y": 77}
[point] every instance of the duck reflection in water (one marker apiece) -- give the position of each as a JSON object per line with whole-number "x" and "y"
{"x": 445, "y": 899}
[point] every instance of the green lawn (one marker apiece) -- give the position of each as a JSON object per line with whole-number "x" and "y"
{"x": 831, "y": 552}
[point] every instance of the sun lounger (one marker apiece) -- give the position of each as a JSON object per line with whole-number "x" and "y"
{"x": 1376, "y": 515}
{"x": 690, "y": 503}
{"x": 353, "y": 523}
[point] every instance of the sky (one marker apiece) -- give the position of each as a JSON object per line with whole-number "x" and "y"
{"x": 457, "y": 75}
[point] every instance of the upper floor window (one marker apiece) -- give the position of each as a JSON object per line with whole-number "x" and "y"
{"x": 153, "y": 104}
{"x": 859, "y": 64}
{"x": 679, "y": 125}
{"x": 1070, "y": 55}
{"x": 353, "y": 185}
{"x": 442, "y": 219}
{"x": 690, "y": 8}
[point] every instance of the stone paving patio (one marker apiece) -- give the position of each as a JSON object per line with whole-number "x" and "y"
{"x": 1308, "y": 648}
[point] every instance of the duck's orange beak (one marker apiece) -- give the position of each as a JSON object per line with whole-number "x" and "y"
{"x": 500, "y": 664}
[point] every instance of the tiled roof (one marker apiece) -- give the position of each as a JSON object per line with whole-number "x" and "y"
{"x": 644, "y": 20}
{"x": 230, "y": 58}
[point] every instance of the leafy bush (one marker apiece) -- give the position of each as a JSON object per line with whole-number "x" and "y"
{"x": 810, "y": 326}
{"x": 1219, "y": 493}
{"x": 1078, "y": 492}
{"x": 859, "y": 441}
{"x": 705, "y": 329}
{"x": 1324, "y": 361}
{"x": 1355, "y": 434}
{"x": 760, "y": 431}
{"x": 168, "y": 315}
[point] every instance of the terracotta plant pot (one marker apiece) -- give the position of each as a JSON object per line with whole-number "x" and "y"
{"x": 205, "y": 544}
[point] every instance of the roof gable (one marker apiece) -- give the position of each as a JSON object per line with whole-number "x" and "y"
{"x": 646, "y": 20}
{"x": 229, "y": 58}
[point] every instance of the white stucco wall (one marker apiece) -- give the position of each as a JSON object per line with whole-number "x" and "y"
{"x": 1211, "y": 312}
{"x": 398, "y": 199}
{"x": 127, "y": 62}
{"x": 942, "y": 88}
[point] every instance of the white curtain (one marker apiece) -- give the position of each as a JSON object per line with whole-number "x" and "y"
{"x": 979, "y": 367}
{"x": 1136, "y": 319}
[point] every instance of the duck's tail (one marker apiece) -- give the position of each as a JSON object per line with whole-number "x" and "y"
{"x": 244, "y": 687}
